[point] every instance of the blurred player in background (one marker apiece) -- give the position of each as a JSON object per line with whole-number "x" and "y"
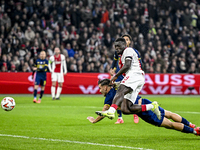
{"x": 109, "y": 92}
{"x": 115, "y": 68}
{"x": 179, "y": 124}
{"x": 40, "y": 67}
{"x": 56, "y": 65}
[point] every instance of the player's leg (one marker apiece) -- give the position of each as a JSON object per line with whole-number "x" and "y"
{"x": 59, "y": 89}
{"x": 179, "y": 126}
{"x": 119, "y": 120}
{"x": 134, "y": 108}
{"x": 177, "y": 118}
{"x": 128, "y": 107}
{"x": 43, "y": 83}
{"x": 35, "y": 93}
{"x": 37, "y": 82}
{"x": 119, "y": 97}
{"x": 53, "y": 89}
{"x": 53, "y": 86}
{"x": 60, "y": 84}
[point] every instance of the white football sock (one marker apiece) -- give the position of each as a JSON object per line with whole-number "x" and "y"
{"x": 120, "y": 118}
{"x": 59, "y": 89}
{"x": 53, "y": 89}
{"x": 111, "y": 110}
{"x": 149, "y": 107}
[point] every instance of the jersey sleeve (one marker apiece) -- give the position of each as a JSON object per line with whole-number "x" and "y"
{"x": 109, "y": 97}
{"x": 46, "y": 66}
{"x": 35, "y": 63}
{"x": 64, "y": 63}
{"x": 51, "y": 59}
{"x": 128, "y": 53}
{"x": 50, "y": 62}
{"x": 108, "y": 101}
{"x": 116, "y": 56}
{"x": 115, "y": 61}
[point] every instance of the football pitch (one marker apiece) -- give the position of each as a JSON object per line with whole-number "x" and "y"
{"x": 62, "y": 124}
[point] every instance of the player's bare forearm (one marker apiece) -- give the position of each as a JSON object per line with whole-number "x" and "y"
{"x": 125, "y": 68}
{"x": 99, "y": 118}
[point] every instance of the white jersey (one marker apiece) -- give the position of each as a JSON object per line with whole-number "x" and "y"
{"x": 134, "y": 77}
{"x": 57, "y": 64}
{"x": 135, "y": 64}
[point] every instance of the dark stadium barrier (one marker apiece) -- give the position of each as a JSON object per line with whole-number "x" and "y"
{"x": 86, "y": 83}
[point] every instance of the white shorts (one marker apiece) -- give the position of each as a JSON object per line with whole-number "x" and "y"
{"x": 135, "y": 82}
{"x": 57, "y": 77}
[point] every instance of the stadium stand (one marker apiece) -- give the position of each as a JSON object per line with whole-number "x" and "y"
{"x": 166, "y": 33}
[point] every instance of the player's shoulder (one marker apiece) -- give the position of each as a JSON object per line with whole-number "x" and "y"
{"x": 51, "y": 57}
{"x": 62, "y": 56}
{"x": 112, "y": 92}
{"x": 128, "y": 50}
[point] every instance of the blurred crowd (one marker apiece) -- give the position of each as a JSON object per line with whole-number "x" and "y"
{"x": 166, "y": 33}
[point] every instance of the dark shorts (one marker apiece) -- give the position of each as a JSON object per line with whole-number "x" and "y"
{"x": 39, "y": 80}
{"x": 149, "y": 116}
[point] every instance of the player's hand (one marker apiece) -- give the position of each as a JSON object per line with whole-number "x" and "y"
{"x": 112, "y": 72}
{"x": 112, "y": 80}
{"x": 91, "y": 119}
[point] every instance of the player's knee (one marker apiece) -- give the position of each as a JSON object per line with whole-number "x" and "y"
{"x": 60, "y": 84}
{"x": 168, "y": 114}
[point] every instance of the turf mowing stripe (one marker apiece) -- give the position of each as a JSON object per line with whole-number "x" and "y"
{"x": 76, "y": 142}
{"x": 188, "y": 112}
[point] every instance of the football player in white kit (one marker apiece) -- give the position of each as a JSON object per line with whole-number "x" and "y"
{"x": 56, "y": 65}
{"x": 131, "y": 85}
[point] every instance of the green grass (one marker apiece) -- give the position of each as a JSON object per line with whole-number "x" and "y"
{"x": 66, "y": 120}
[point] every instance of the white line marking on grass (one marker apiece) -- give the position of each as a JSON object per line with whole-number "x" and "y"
{"x": 76, "y": 142}
{"x": 44, "y": 106}
{"x": 187, "y": 112}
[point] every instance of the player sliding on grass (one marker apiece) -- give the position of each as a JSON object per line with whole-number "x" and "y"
{"x": 41, "y": 67}
{"x": 109, "y": 92}
{"x": 131, "y": 85}
{"x": 180, "y": 124}
{"x": 115, "y": 68}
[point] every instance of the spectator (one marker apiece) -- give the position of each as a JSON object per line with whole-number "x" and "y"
{"x": 8, "y": 49}
{"x": 187, "y": 18}
{"x": 70, "y": 51}
{"x": 163, "y": 32}
{"x": 4, "y": 62}
{"x": 108, "y": 41}
{"x": 29, "y": 34}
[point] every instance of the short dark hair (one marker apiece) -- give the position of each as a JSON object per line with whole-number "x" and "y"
{"x": 120, "y": 39}
{"x": 104, "y": 82}
{"x": 130, "y": 38}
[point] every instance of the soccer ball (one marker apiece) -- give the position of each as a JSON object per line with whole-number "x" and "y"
{"x": 8, "y": 103}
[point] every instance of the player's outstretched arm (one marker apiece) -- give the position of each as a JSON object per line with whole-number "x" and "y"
{"x": 114, "y": 64}
{"x": 99, "y": 118}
